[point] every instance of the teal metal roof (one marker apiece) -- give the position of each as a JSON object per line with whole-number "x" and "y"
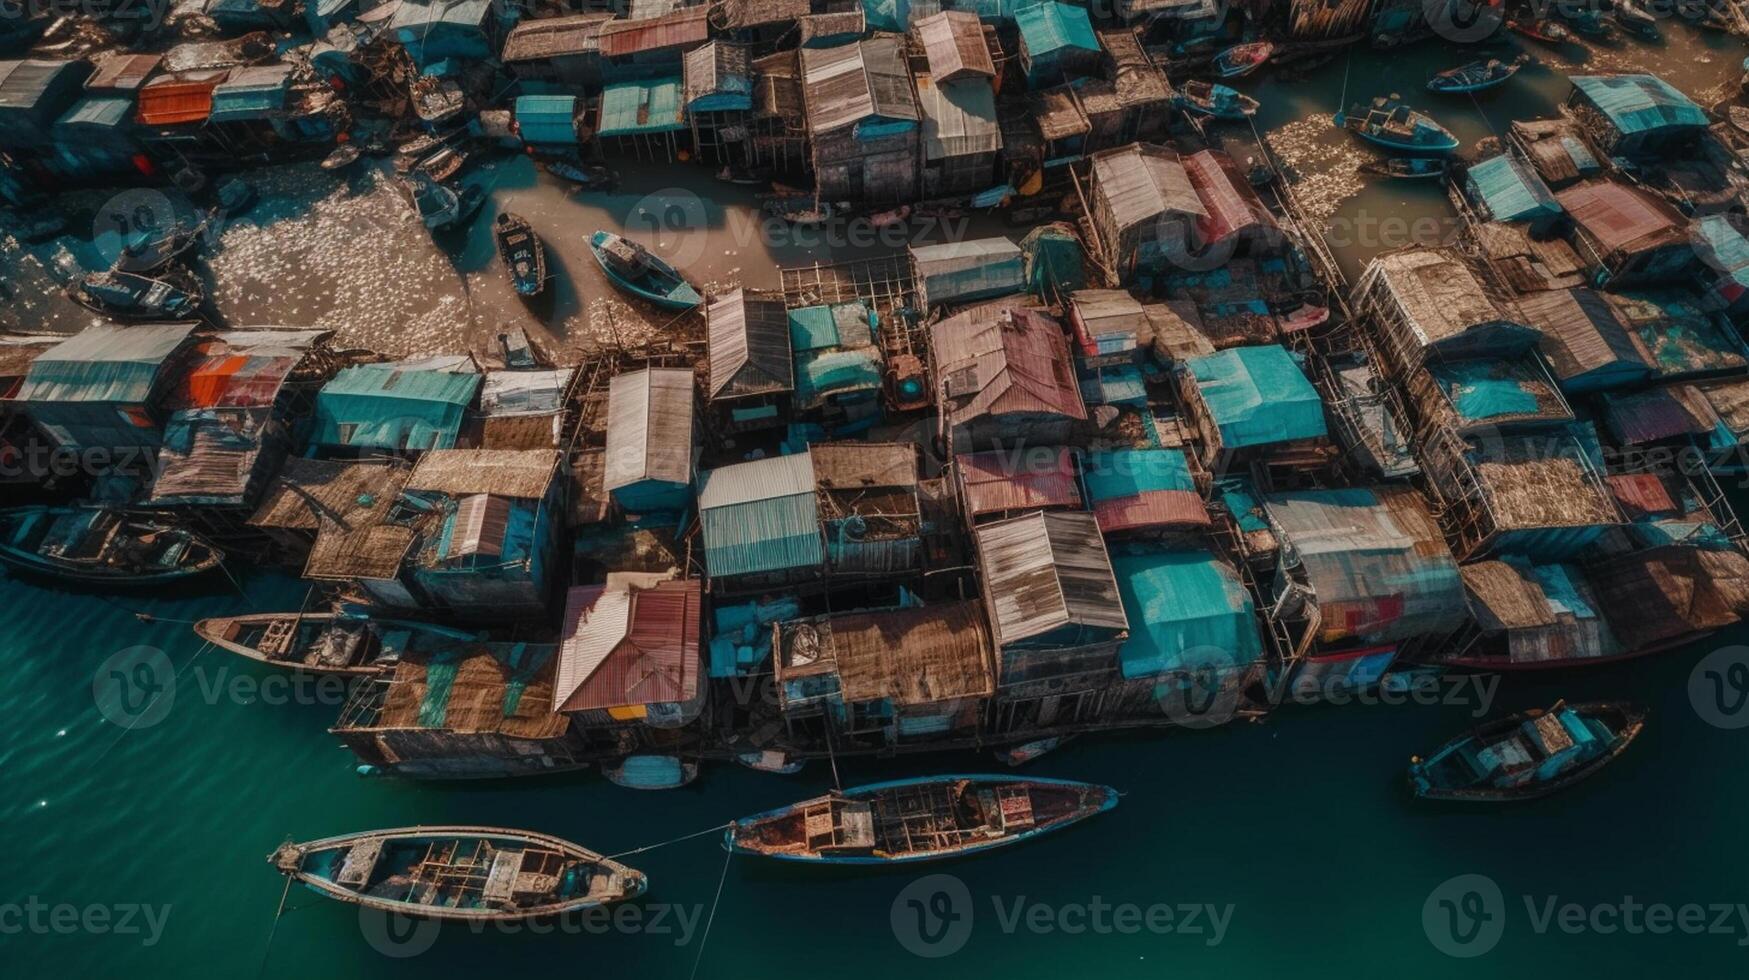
{"x": 820, "y": 374}
{"x": 1639, "y": 103}
{"x": 633, "y": 107}
{"x": 1509, "y": 190}
{"x": 100, "y": 111}
{"x": 389, "y": 406}
{"x": 819, "y": 327}
{"x": 1258, "y": 396}
{"x": 1187, "y": 611}
{"x": 760, "y": 516}
{"x": 104, "y": 363}
{"x": 1129, "y": 472}
{"x": 1722, "y": 244}
{"x": 547, "y": 118}
{"x": 1049, "y": 26}
{"x": 251, "y": 93}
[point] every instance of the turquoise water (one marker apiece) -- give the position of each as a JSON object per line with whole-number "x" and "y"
{"x": 1299, "y": 825}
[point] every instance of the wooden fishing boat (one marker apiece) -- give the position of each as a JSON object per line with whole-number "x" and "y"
{"x": 1544, "y": 30}
{"x": 1585, "y": 20}
{"x": 633, "y": 268}
{"x": 744, "y": 176}
{"x": 344, "y": 155}
{"x": 1477, "y": 76}
{"x": 487, "y": 874}
{"x": 174, "y": 294}
{"x": 1392, "y": 124}
{"x": 523, "y": 254}
{"x": 1633, "y": 16}
{"x": 337, "y": 643}
{"x": 1242, "y": 59}
{"x": 147, "y": 256}
{"x": 803, "y": 211}
{"x": 1527, "y": 755}
{"x": 420, "y": 146}
{"x": 92, "y": 545}
{"x": 441, "y": 207}
{"x": 589, "y": 176}
{"x": 436, "y": 100}
{"x": 1216, "y": 101}
{"x": 651, "y": 772}
{"x": 443, "y": 164}
{"x": 770, "y": 760}
{"x": 918, "y": 819}
{"x": 1020, "y": 755}
{"x": 1407, "y": 168}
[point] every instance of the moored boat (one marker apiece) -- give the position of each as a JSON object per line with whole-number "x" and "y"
{"x": 150, "y": 255}
{"x": 1243, "y": 59}
{"x": 523, "y": 254}
{"x": 589, "y": 176}
{"x": 1020, "y": 755}
{"x": 651, "y": 772}
{"x": 920, "y": 819}
{"x": 1218, "y": 101}
{"x": 1544, "y": 30}
{"x": 1633, "y": 16}
{"x": 344, "y": 155}
{"x": 803, "y": 210}
{"x": 770, "y": 760}
{"x": 638, "y": 271}
{"x": 441, "y": 207}
{"x": 1527, "y": 755}
{"x": 443, "y": 164}
{"x": 1477, "y": 76}
{"x": 1391, "y": 123}
{"x": 92, "y": 545}
{"x": 1408, "y": 168}
{"x": 459, "y": 873}
{"x": 174, "y": 294}
{"x": 324, "y": 642}
{"x": 435, "y": 99}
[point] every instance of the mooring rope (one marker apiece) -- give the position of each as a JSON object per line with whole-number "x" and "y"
{"x": 278, "y": 914}
{"x": 705, "y": 937}
{"x": 671, "y": 840}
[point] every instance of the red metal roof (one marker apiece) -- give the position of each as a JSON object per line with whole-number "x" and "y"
{"x": 170, "y": 101}
{"x": 682, "y": 27}
{"x": 995, "y": 482}
{"x": 1640, "y": 494}
{"x": 1151, "y": 509}
{"x": 626, "y": 646}
{"x": 1622, "y": 218}
{"x": 1232, "y": 205}
{"x": 234, "y": 381}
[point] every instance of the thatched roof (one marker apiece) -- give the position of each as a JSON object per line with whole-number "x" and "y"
{"x": 915, "y": 656}
{"x": 521, "y": 474}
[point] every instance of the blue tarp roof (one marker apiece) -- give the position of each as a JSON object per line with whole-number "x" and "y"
{"x": 1509, "y": 190}
{"x": 842, "y": 325}
{"x": 1187, "y": 610}
{"x": 1050, "y": 26}
{"x": 1128, "y": 472}
{"x": 820, "y": 374}
{"x": 632, "y": 107}
{"x": 251, "y": 93}
{"x": 388, "y": 406}
{"x": 1257, "y": 396}
{"x": 1639, "y": 103}
{"x": 547, "y": 118}
{"x": 1722, "y": 246}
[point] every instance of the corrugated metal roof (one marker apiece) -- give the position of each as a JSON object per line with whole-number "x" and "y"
{"x": 508, "y": 393}
{"x": 99, "y": 111}
{"x": 1586, "y": 345}
{"x": 839, "y": 325}
{"x": 649, "y": 427}
{"x": 848, "y": 84}
{"x": 242, "y": 369}
{"x": 251, "y": 93}
{"x": 1658, "y": 414}
{"x": 951, "y": 257}
{"x": 734, "y": 15}
{"x": 953, "y": 43}
{"x": 959, "y": 118}
{"x": 410, "y": 19}
{"x": 1141, "y": 488}
{"x": 1623, "y": 219}
{"x": 1005, "y": 481}
{"x": 210, "y": 456}
{"x": 1640, "y": 103}
{"x": 171, "y": 100}
{"x": 641, "y": 106}
{"x": 1439, "y": 300}
{"x": 1045, "y": 571}
{"x": 23, "y": 84}
{"x": 1506, "y": 189}
{"x": 547, "y": 118}
{"x": 1140, "y": 182}
{"x": 104, "y": 363}
{"x": 682, "y": 28}
{"x": 760, "y": 516}
{"x": 1048, "y": 27}
{"x": 1375, "y": 560}
{"x": 718, "y": 78}
{"x": 629, "y": 643}
{"x": 392, "y": 406}
{"x": 996, "y": 361}
{"x": 749, "y": 345}
{"x": 1231, "y": 203}
{"x": 122, "y": 71}
{"x": 1258, "y": 396}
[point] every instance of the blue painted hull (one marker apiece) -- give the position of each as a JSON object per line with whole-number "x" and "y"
{"x": 663, "y": 286}
{"x": 1110, "y": 798}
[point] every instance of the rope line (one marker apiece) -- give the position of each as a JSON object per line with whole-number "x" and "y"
{"x": 705, "y": 937}
{"x": 672, "y": 840}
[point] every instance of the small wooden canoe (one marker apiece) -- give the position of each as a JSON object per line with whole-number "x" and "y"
{"x": 1635, "y": 18}
{"x": 651, "y": 772}
{"x": 326, "y": 643}
{"x": 638, "y": 271}
{"x": 1243, "y": 59}
{"x": 91, "y": 545}
{"x": 804, "y": 211}
{"x": 344, "y": 155}
{"x": 1546, "y": 31}
{"x": 1477, "y": 76}
{"x": 523, "y": 254}
{"x": 922, "y": 819}
{"x": 173, "y": 294}
{"x": 588, "y": 176}
{"x": 1215, "y": 101}
{"x": 477, "y": 874}
{"x": 1406, "y": 168}
{"x": 1527, "y": 755}
{"x": 770, "y": 760}
{"x": 1020, "y": 755}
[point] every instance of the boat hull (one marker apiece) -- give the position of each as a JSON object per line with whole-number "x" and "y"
{"x": 680, "y": 297}
{"x": 20, "y": 561}
{"x": 1626, "y": 722}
